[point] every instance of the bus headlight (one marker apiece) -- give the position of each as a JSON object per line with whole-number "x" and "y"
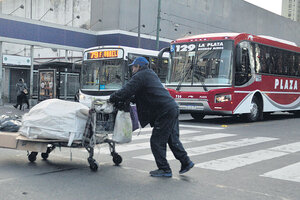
{"x": 222, "y": 98}
{"x": 81, "y": 97}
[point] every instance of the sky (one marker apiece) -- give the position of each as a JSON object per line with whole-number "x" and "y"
{"x": 270, "y": 5}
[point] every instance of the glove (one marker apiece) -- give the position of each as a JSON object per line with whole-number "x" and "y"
{"x": 112, "y": 99}
{"x": 121, "y": 105}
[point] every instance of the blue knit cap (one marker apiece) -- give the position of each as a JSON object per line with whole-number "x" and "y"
{"x": 140, "y": 61}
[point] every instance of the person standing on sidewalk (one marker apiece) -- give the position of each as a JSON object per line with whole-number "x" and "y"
{"x": 22, "y": 92}
{"x": 155, "y": 106}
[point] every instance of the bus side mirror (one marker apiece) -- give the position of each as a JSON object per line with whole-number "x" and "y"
{"x": 160, "y": 54}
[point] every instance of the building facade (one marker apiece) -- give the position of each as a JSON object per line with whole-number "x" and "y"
{"x": 291, "y": 9}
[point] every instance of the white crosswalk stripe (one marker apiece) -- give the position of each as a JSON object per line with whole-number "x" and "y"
{"x": 146, "y": 145}
{"x": 142, "y": 136}
{"x": 149, "y": 129}
{"x": 205, "y": 127}
{"x": 215, "y": 147}
{"x": 288, "y": 173}
{"x": 139, "y": 146}
{"x": 233, "y": 162}
{"x": 241, "y": 160}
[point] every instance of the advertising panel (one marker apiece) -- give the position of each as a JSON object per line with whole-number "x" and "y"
{"x": 47, "y": 85}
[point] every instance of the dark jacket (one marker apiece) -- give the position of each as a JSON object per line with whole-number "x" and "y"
{"x": 20, "y": 86}
{"x": 151, "y": 98}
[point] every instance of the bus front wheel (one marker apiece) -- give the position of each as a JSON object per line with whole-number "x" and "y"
{"x": 255, "y": 110}
{"x": 197, "y": 116}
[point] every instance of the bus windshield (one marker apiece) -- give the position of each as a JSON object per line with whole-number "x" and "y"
{"x": 102, "y": 74}
{"x": 201, "y": 63}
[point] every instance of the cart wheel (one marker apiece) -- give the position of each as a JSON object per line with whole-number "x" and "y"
{"x": 117, "y": 159}
{"x": 45, "y": 155}
{"x": 32, "y": 156}
{"x": 93, "y": 164}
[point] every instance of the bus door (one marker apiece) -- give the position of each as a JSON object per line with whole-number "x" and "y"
{"x": 243, "y": 72}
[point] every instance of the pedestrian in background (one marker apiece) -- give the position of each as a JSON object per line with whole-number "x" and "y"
{"x": 22, "y": 92}
{"x": 155, "y": 106}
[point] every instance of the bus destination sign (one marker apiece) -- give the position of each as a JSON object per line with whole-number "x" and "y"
{"x": 104, "y": 54}
{"x": 205, "y": 46}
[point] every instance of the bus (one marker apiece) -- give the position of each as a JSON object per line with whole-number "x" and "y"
{"x": 105, "y": 70}
{"x": 234, "y": 74}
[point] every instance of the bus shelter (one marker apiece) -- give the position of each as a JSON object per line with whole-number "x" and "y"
{"x": 58, "y": 80}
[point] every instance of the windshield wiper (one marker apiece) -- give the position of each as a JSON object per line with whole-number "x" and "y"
{"x": 202, "y": 82}
{"x": 182, "y": 79}
{"x": 188, "y": 71}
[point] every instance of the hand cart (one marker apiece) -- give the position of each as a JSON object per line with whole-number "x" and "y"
{"x": 99, "y": 125}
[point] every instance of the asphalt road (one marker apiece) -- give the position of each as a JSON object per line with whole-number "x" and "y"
{"x": 234, "y": 160}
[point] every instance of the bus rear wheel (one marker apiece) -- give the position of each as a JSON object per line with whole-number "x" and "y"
{"x": 198, "y": 116}
{"x": 255, "y": 111}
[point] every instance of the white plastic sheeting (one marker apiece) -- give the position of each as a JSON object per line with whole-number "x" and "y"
{"x": 55, "y": 119}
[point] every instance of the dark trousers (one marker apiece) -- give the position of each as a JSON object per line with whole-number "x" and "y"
{"x": 166, "y": 131}
{"x": 22, "y": 98}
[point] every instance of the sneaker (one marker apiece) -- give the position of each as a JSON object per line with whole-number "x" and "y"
{"x": 161, "y": 173}
{"x": 186, "y": 168}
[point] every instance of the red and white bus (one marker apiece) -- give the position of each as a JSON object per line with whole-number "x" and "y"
{"x": 234, "y": 74}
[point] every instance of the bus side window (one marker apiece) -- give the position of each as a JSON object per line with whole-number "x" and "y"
{"x": 148, "y": 59}
{"x": 297, "y": 65}
{"x": 128, "y": 72}
{"x": 263, "y": 59}
{"x": 291, "y": 65}
{"x": 153, "y": 66}
{"x": 243, "y": 70}
{"x": 269, "y": 60}
{"x": 275, "y": 57}
{"x": 285, "y": 63}
{"x": 280, "y": 63}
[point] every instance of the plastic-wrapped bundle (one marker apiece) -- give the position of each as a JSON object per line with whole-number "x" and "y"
{"x": 55, "y": 119}
{"x": 10, "y": 124}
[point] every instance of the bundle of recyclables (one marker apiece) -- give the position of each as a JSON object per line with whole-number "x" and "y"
{"x": 59, "y": 123}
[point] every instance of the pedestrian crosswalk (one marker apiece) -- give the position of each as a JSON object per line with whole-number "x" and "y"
{"x": 195, "y": 151}
{"x": 288, "y": 173}
{"x": 219, "y": 141}
{"x": 241, "y": 160}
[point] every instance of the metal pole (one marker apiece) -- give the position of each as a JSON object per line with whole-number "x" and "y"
{"x": 139, "y": 25}
{"x": 30, "y": 9}
{"x": 1, "y": 79}
{"x": 66, "y": 85}
{"x": 31, "y": 76}
{"x": 72, "y": 13}
{"x": 158, "y": 25}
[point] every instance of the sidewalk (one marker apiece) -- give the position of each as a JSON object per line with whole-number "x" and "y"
{"x": 10, "y": 110}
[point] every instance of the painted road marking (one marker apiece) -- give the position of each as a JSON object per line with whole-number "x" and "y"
{"x": 288, "y": 173}
{"x": 149, "y": 129}
{"x": 205, "y": 127}
{"x": 195, "y": 151}
{"x": 233, "y": 162}
{"x": 148, "y": 135}
{"x": 241, "y": 160}
{"x": 146, "y": 145}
